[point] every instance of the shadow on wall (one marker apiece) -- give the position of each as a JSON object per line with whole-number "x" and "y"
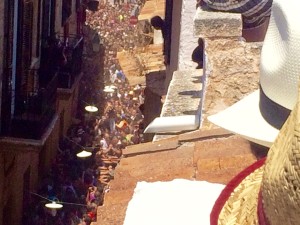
{"x": 151, "y": 109}
{"x": 197, "y": 55}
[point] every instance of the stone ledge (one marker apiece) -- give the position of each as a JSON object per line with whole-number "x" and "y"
{"x": 183, "y": 97}
{"x": 217, "y": 24}
{"x": 184, "y": 94}
{"x": 220, "y": 159}
{"x": 200, "y": 135}
{"x": 151, "y": 147}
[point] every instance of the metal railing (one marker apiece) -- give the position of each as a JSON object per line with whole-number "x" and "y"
{"x": 72, "y": 67}
{"x": 34, "y": 111}
{"x": 62, "y": 56}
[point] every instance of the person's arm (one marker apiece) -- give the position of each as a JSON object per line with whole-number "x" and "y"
{"x": 87, "y": 198}
{"x": 200, "y": 3}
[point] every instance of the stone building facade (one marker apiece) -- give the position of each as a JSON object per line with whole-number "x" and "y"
{"x": 37, "y": 102}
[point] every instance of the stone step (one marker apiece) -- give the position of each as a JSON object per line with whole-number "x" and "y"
{"x": 160, "y": 165}
{"x": 220, "y": 160}
{"x": 220, "y": 177}
{"x": 227, "y": 147}
{"x": 149, "y": 147}
{"x": 199, "y": 135}
{"x": 184, "y": 94}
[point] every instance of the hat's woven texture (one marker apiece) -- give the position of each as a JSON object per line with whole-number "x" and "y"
{"x": 281, "y": 180}
{"x": 241, "y": 207}
{"x": 279, "y": 64}
{"x": 278, "y": 180}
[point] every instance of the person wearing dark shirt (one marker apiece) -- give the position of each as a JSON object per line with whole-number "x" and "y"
{"x": 255, "y": 14}
{"x": 159, "y": 24}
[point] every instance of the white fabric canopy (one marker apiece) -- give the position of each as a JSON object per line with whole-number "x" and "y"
{"x": 175, "y": 202}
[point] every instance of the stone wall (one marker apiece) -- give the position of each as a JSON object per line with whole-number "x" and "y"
{"x": 232, "y": 65}
{"x": 233, "y": 73}
{"x": 13, "y": 165}
{"x": 67, "y": 101}
{"x": 18, "y": 156}
{"x": 49, "y": 150}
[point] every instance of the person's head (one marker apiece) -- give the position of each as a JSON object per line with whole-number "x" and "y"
{"x": 201, "y": 42}
{"x": 157, "y": 22}
{"x": 91, "y": 188}
{"x": 87, "y": 219}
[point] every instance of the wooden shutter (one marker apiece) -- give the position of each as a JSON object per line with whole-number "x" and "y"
{"x": 23, "y": 58}
{"x": 26, "y": 44}
{"x": 38, "y": 32}
{"x": 7, "y": 65}
{"x": 8, "y": 33}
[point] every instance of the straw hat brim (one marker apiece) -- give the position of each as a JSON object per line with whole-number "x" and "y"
{"x": 237, "y": 203}
{"x": 244, "y": 118}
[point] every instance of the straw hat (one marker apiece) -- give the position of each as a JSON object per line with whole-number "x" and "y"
{"x": 264, "y": 111}
{"x": 267, "y": 192}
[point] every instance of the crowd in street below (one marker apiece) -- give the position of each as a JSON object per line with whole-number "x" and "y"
{"x": 81, "y": 183}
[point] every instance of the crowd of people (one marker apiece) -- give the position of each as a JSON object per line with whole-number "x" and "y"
{"x": 112, "y": 23}
{"x": 81, "y": 183}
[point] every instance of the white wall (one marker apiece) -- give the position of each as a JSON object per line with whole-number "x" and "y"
{"x": 183, "y": 41}
{"x": 187, "y": 42}
{"x": 176, "y": 27}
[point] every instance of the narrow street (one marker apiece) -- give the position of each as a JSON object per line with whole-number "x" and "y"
{"x": 117, "y": 123}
